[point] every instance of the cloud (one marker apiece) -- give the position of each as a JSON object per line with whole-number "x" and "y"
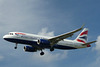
{"x": 96, "y": 62}
{"x": 51, "y": 57}
{"x": 45, "y": 33}
{"x": 98, "y": 44}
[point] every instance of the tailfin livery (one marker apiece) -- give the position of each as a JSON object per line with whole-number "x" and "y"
{"x": 82, "y": 37}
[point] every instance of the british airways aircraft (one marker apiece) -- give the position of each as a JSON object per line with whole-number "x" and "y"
{"x": 39, "y": 43}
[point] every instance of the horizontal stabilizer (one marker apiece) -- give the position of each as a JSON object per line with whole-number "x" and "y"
{"x": 89, "y": 43}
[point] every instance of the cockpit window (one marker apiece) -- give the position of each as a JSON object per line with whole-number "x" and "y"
{"x": 10, "y": 33}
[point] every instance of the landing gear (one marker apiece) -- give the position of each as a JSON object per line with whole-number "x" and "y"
{"x": 42, "y": 53}
{"x": 15, "y": 46}
{"x": 51, "y": 49}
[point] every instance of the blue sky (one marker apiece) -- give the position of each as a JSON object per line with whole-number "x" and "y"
{"x": 49, "y": 17}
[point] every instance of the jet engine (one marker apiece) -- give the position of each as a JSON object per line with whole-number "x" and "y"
{"x": 30, "y": 49}
{"x": 43, "y": 42}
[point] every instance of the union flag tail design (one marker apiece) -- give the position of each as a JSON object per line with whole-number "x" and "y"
{"x": 82, "y": 37}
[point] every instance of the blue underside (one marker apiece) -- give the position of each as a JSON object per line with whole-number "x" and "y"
{"x": 34, "y": 44}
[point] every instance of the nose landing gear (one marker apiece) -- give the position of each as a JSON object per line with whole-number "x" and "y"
{"x": 15, "y": 46}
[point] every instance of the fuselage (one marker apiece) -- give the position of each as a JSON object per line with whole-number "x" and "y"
{"x": 31, "y": 39}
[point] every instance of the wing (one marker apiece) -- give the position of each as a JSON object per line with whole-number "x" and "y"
{"x": 63, "y": 36}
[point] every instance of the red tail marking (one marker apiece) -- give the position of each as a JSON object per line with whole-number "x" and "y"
{"x": 86, "y": 32}
{"x": 80, "y": 40}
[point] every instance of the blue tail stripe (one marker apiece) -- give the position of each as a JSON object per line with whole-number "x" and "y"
{"x": 84, "y": 37}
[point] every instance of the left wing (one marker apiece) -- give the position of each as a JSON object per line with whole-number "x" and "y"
{"x": 63, "y": 36}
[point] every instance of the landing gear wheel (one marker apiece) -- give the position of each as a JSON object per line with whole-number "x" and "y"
{"x": 42, "y": 53}
{"x": 15, "y": 47}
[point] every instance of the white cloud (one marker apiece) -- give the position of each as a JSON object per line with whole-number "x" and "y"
{"x": 96, "y": 62}
{"x": 50, "y": 57}
{"x": 98, "y": 44}
{"x": 45, "y": 33}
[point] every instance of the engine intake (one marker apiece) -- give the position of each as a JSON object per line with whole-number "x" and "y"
{"x": 30, "y": 49}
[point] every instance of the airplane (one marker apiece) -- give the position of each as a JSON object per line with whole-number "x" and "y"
{"x": 39, "y": 43}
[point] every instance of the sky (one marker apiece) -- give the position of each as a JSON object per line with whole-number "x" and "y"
{"x": 50, "y": 18}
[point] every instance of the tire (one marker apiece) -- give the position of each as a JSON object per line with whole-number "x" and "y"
{"x": 42, "y": 53}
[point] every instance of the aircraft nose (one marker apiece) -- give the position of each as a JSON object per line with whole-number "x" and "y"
{"x": 4, "y": 37}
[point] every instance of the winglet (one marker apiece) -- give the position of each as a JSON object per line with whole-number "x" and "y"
{"x": 78, "y": 29}
{"x": 82, "y": 26}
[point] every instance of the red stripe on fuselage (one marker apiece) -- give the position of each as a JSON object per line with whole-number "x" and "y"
{"x": 80, "y": 41}
{"x": 86, "y": 32}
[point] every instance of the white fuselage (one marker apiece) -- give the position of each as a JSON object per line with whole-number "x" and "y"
{"x": 31, "y": 39}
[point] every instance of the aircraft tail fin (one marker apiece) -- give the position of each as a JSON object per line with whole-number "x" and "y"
{"x": 82, "y": 37}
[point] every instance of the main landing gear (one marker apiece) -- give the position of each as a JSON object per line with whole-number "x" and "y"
{"x": 51, "y": 49}
{"x": 15, "y": 46}
{"x": 42, "y": 53}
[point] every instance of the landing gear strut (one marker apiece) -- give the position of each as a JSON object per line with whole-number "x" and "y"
{"x": 15, "y": 46}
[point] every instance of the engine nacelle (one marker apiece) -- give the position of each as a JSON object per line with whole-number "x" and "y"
{"x": 43, "y": 42}
{"x": 30, "y": 49}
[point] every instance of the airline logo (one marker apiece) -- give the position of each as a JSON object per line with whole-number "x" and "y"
{"x": 83, "y": 37}
{"x": 20, "y": 34}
